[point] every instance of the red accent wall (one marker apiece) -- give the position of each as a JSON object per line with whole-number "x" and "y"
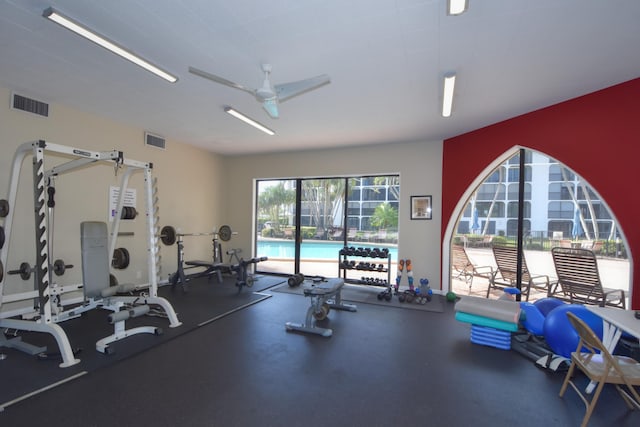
{"x": 596, "y": 135}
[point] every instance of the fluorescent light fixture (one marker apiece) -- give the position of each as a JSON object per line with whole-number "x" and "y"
{"x": 69, "y": 24}
{"x": 447, "y": 97}
{"x": 456, "y": 7}
{"x": 248, "y": 121}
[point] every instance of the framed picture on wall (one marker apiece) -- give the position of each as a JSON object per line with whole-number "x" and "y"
{"x": 420, "y": 207}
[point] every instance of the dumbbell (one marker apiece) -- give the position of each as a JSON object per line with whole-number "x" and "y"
{"x": 295, "y": 280}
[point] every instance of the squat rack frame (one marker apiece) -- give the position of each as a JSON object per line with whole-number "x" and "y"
{"x": 44, "y": 318}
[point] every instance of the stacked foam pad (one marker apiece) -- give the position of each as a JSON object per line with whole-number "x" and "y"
{"x": 492, "y": 321}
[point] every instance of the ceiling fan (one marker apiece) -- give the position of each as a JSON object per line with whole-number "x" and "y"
{"x": 270, "y": 95}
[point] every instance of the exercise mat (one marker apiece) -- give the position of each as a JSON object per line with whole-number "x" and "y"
{"x": 203, "y": 303}
{"x": 504, "y": 310}
{"x": 369, "y": 295}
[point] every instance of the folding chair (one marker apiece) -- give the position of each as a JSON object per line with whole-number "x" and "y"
{"x": 601, "y": 367}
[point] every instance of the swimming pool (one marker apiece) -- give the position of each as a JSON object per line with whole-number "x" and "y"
{"x": 311, "y": 249}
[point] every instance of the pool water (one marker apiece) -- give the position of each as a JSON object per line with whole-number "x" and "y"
{"x": 315, "y": 250}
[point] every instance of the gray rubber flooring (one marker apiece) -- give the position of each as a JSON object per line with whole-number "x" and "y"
{"x": 383, "y": 366}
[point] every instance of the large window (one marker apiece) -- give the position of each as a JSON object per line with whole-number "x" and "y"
{"x": 557, "y": 208}
{"x": 303, "y": 223}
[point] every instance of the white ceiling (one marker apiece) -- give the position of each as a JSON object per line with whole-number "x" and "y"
{"x": 386, "y": 59}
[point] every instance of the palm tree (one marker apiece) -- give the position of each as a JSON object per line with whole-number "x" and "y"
{"x": 385, "y": 216}
{"x": 274, "y": 200}
{"x": 322, "y": 197}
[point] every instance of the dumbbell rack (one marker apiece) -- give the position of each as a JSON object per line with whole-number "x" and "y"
{"x": 352, "y": 260}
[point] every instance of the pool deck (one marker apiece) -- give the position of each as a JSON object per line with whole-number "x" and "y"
{"x": 614, "y": 273}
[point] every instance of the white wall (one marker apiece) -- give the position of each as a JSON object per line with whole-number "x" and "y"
{"x": 190, "y": 190}
{"x": 198, "y": 190}
{"x": 419, "y": 165}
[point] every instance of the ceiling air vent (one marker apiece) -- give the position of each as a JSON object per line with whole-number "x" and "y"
{"x": 154, "y": 140}
{"x": 19, "y": 102}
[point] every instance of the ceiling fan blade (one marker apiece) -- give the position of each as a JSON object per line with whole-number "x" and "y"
{"x": 289, "y": 90}
{"x": 271, "y": 107}
{"x": 220, "y": 80}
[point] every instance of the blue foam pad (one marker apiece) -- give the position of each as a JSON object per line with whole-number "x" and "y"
{"x": 491, "y": 343}
{"x": 490, "y": 332}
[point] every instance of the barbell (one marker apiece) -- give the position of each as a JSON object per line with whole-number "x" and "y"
{"x": 25, "y": 269}
{"x": 168, "y": 234}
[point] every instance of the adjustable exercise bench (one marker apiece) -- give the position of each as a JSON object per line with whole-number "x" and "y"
{"x": 324, "y": 294}
{"x": 98, "y": 292}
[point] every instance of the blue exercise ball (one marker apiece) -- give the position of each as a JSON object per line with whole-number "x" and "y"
{"x": 560, "y": 334}
{"x": 545, "y": 305}
{"x": 533, "y": 320}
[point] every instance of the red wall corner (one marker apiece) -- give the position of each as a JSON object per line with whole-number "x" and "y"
{"x": 596, "y": 135}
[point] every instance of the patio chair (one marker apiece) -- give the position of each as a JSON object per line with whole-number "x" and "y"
{"x": 465, "y": 269}
{"x": 382, "y": 235}
{"x": 600, "y": 366}
{"x": 352, "y": 234}
{"x": 579, "y": 279}
{"x": 487, "y": 241}
{"x": 337, "y": 234}
{"x": 506, "y": 275}
{"x": 321, "y": 234}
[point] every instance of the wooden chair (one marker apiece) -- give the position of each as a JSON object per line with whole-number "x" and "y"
{"x": 601, "y": 367}
{"x": 506, "y": 275}
{"x": 466, "y": 269}
{"x": 579, "y": 279}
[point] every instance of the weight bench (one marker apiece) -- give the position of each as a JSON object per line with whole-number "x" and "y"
{"x": 324, "y": 294}
{"x": 98, "y": 292}
{"x": 209, "y": 268}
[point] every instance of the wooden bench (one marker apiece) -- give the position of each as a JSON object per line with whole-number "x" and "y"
{"x": 506, "y": 275}
{"x": 579, "y": 279}
{"x": 465, "y": 269}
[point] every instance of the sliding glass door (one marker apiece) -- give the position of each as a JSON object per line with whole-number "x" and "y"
{"x": 276, "y": 225}
{"x": 321, "y": 225}
{"x": 302, "y": 224}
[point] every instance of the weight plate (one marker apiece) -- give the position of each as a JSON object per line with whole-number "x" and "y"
{"x": 4, "y": 208}
{"x": 59, "y": 267}
{"x": 1, "y": 271}
{"x": 168, "y": 235}
{"x": 323, "y": 313}
{"x": 1, "y": 237}
{"x": 120, "y": 258}
{"x": 224, "y": 233}
{"x": 25, "y": 271}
